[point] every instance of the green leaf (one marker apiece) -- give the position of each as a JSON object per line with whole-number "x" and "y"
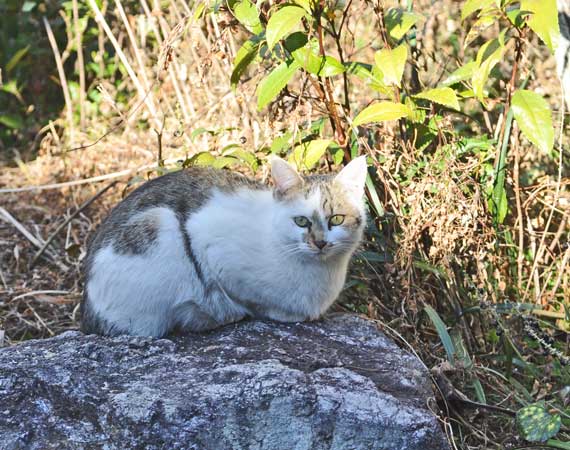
{"x": 203, "y": 159}
{"x": 11, "y": 87}
{"x": 280, "y": 143}
{"x": 536, "y": 423}
{"x": 479, "y": 26}
{"x": 375, "y": 198}
{"x": 337, "y": 155}
{"x": 488, "y": 56}
{"x": 465, "y": 72}
{"x": 308, "y": 154}
{"x": 499, "y": 202}
{"x": 441, "y": 329}
{"x": 544, "y": 20}
{"x": 199, "y": 11}
{"x": 313, "y": 63}
{"x": 16, "y": 58}
{"x": 380, "y": 112}
{"x": 248, "y": 15}
{"x": 517, "y": 17}
{"x": 391, "y": 63}
{"x": 398, "y": 22}
{"x": 11, "y": 121}
{"x": 224, "y": 161}
{"x": 27, "y": 7}
{"x": 282, "y": 22}
{"x": 305, "y": 4}
{"x": 275, "y": 82}
{"x": 534, "y": 118}
{"x": 554, "y": 443}
{"x": 471, "y": 6}
{"x": 244, "y": 57}
{"x": 235, "y": 151}
{"x": 444, "y": 96}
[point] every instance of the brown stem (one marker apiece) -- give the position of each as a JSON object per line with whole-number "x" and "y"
{"x": 340, "y": 135}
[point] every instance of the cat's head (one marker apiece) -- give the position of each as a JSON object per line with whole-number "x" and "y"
{"x": 319, "y": 216}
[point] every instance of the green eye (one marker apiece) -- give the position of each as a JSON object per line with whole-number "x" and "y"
{"x": 337, "y": 219}
{"x": 302, "y": 221}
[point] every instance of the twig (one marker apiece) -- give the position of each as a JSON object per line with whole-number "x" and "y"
{"x": 62, "y": 78}
{"x": 160, "y": 162}
{"x": 33, "y": 293}
{"x": 80, "y": 63}
{"x": 69, "y": 219}
{"x": 9, "y": 218}
{"x": 29, "y": 236}
{"x": 142, "y": 94}
{"x": 96, "y": 179}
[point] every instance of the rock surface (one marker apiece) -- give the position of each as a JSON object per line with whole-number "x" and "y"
{"x": 333, "y": 384}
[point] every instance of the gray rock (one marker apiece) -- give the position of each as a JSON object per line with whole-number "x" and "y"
{"x": 334, "y": 384}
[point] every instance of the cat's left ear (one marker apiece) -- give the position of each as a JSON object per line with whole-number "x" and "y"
{"x": 353, "y": 176}
{"x": 285, "y": 177}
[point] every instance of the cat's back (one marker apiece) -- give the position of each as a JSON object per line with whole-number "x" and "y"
{"x": 181, "y": 192}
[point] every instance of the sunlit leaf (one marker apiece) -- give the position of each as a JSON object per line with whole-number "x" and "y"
{"x": 391, "y": 63}
{"x": 398, "y": 22}
{"x": 479, "y": 26}
{"x": 199, "y": 11}
{"x": 534, "y": 118}
{"x": 381, "y": 112}
{"x": 271, "y": 85}
{"x": 248, "y": 15}
{"x": 282, "y": 22}
{"x": 465, "y": 72}
{"x": 471, "y": 6}
{"x": 236, "y": 151}
{"x": 313, "y": 63}
{"x": 308, "y": 154}
{"x": 444, "y": 96}
{"x": 305, "y": 4}
{"x": 536, "y": 423}
{"x": 203, "y": 159}
{"x": 543, "y": 21}
{"x": 488, "y": 56}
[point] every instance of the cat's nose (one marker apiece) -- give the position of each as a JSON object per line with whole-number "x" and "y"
{"x": 321, "y": 244}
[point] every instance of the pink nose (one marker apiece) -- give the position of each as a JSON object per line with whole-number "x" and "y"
{"x": 321, "y": 244}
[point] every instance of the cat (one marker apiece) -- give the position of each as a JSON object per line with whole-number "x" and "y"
{"x": 199, "y": 248}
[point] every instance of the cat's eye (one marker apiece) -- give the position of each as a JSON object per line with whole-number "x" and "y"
{"x": 336, "y": 220}
{"x": 302, "y": 221}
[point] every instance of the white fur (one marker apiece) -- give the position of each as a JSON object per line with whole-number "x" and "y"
{"x": 253, "y": 260}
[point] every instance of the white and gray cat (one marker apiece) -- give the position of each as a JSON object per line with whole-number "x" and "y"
{"x": 199, "y": 248}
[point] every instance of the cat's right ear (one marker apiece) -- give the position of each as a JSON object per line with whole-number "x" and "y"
{"x": 285, "y": 177}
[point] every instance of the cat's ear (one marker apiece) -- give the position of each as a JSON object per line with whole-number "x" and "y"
{"x": 353, "y": 176}
{"x": 284, "y": 175}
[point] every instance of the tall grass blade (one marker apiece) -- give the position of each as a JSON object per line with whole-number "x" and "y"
{"x": 444, "y": 336}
